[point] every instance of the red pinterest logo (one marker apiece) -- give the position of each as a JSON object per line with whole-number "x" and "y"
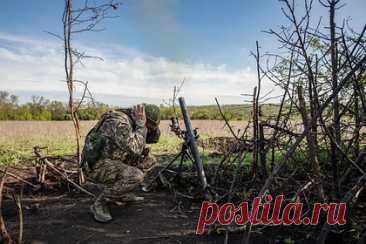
{"x": 291, "y": 213}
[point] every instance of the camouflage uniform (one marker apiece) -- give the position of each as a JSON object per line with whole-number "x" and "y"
{"x": 114, "y": 156}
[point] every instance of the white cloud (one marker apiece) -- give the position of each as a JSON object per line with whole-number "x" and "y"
{"x": 33, "y": 65}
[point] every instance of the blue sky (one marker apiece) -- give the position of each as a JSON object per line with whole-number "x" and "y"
{"x": 149, "y": 48}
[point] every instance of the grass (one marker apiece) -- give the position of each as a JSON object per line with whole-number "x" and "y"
{"x": 17, "y": 138}
{"x": 17, "y": 150}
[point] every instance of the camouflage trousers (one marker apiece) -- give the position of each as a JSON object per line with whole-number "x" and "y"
{"x": 115, "y": 177}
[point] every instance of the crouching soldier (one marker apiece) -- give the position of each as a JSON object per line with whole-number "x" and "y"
{"x": 115, "y": 156}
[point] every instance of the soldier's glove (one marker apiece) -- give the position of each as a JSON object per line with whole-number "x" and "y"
{"x": 138, "y": 115}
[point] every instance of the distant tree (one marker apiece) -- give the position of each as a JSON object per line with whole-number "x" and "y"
{"x": 23, "y": 113}
{"x": 200, "y": 114}
{"x": 8, "y": 104}
{"x": 167, "y": 112}
{"x": 38, "y": 108}
{"x": 58, "y": 110}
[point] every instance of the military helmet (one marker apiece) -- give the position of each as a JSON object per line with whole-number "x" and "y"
{"x": 152, "y": 114}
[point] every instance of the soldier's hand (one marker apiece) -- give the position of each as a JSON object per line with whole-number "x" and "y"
{"x": 138, "y": 114}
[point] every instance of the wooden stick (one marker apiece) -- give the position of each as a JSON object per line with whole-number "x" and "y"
{"x": 49, "y": 164}
{"x": 18, "y": 178}
{"x": 255, "y": 134}
{"x": 226, "y": 121}
{"x": 67, "y": 178}
{"x": 18, "y": 203}
{"x": 4, "y": 233}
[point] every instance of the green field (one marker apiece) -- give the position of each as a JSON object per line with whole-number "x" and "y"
{"x": 19, "y": 137}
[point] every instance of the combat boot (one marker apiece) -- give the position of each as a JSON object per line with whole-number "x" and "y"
{"x": 100, "y": 210}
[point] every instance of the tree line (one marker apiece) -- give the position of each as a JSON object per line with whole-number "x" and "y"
{"x": 40, "y": 108}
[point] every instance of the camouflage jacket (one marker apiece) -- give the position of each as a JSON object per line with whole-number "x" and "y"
{"x": 115, "y": 137}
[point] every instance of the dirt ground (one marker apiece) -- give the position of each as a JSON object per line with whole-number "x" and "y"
{"x": 66, "y": 219}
